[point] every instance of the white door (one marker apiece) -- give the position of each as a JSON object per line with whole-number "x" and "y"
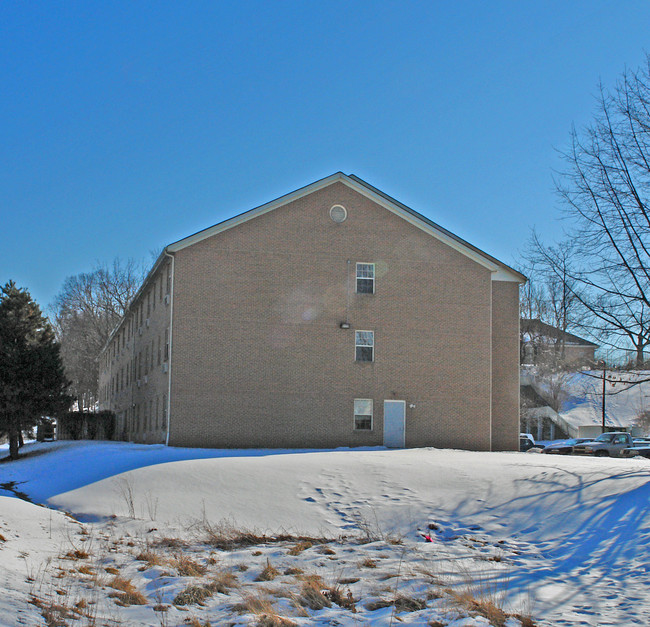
{"x": 394, "y": 423}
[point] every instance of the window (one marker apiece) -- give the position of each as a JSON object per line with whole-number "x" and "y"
{"x": 363, "y": 414}
{"x": 364, "y": 342}
{"x": 166, "y": 344}
{"x": 365, "y": 278}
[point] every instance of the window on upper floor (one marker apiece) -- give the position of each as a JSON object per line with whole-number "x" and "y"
{"x": 364, "y": 345}
{"x": 363, "y": 414}
{"x": 365, "y": 278}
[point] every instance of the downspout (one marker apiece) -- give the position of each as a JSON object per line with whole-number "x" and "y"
{"x": 171, "y": 335}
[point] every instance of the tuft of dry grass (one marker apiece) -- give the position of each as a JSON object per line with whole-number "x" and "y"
{"x": 170, "y": 543}
{"x": 128, "y": 594}
{"x": 150, "y": 558}
{"x": 484, "y": 607}
{"x": 193, "y": 595}
{"x": 299, "y": 547}
{"x": 293, "y": 571}
{"x": 368, "y": 563}
{"x": 186, "y": 566}
{"x": 84, "y": 569}
{"x": 54, "y": 614}
{"x": 269, "y": 572}
{"x": 111, "y": 570}
{"x": 402, "y": 603}
{"x": 346, "y": 581}
{"x": 77, "y": 554}
{"x": 223, "y": 582}
{"x": 311, "y": 593}
{"x": 2, "y": 538}
{"x": 262, "y": 608}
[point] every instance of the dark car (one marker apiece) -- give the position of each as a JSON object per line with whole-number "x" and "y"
{"x": 564, "y": 447}
{"x": 526, "y": 442}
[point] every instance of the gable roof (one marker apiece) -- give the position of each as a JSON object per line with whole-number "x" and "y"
{"x": 500, "y": 270}
{"x": 535, "y": 325}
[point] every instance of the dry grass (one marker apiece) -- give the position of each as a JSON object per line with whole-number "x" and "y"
{"x": 187, "y": 566}
{"x": 226, "y": 536}
{"x": 346, "y": 581}
{"x": 54, "y": 614}
{"x": 269, "y": 572}
{"x": 170, "y": 543}
{"x": 84, "y": 569}
{"x": 292, "y": 570}
{"x": 401, "y": 602}
{"x": 311, "y": 593}
{"x": 262, "y": 608}
{"x": 77, "y": 554}
{"x": 368, "y": 563}
{"x": 128, "y": 594}
{"x": 111, "y": 570}
{"x": 299, "y": 547}
{"x": 193, "y": 595}
{"x": 223, "y": 582}
{"x": 150, "y": 557}
{"x": 2, "y": 538}
{"x": 489, "y": 610}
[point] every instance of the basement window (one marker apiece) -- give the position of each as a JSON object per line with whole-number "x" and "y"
{"x": 364, "y": 345}
{"x": 363, "y": 414}
{"x": 365, "y": 278}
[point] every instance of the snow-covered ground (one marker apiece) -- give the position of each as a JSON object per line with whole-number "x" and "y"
{"x": 564, "y": 539}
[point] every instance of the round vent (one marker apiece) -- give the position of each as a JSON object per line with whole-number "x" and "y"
{"x": 338, "y": 213}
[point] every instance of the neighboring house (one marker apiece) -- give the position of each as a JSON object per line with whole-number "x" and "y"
{"x": 541, "y": 342}
{"x": 332, "y": 316}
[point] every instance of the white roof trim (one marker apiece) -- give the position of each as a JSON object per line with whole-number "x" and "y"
{"x": 501, "y": 272}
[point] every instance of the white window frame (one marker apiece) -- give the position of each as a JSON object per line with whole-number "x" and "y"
{"x": 372, "y": 412}
{"x": 365, "y": 278}
{"x": 357, "y": 345}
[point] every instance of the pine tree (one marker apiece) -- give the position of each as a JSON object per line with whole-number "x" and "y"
{"x": 32, "y": 380}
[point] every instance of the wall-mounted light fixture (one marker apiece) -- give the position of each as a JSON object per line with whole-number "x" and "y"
{"x": 411, "y": 405}
{"x": 344, "y": 325}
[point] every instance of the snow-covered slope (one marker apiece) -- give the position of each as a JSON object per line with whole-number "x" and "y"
{"x": 565, "y": 537}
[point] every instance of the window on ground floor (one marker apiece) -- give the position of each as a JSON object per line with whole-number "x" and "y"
{"x": 363, "y": 414}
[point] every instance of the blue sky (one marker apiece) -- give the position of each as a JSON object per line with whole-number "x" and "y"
{"x": 127, "y": 126}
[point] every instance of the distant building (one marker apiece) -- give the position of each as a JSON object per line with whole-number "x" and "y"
{"x": 541, "y": 342}
{"x": 332, "y": 316}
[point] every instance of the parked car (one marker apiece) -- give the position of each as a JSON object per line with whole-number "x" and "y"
{"x": 526, "y": 442}
{"x": 609, "y": 444}
{"x": 564, "y": 447}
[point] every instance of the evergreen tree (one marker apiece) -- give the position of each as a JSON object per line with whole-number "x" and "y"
{"x": 32, "y": 381}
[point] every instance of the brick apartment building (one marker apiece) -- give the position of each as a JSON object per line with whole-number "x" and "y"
{"x": 332, "y": 316}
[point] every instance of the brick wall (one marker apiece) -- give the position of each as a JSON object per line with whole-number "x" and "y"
{"x": 259, "y": 359}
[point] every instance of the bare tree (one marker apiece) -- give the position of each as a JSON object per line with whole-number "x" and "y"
{"x": 606, "y": 191}
{"x": 86, "y": 310}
